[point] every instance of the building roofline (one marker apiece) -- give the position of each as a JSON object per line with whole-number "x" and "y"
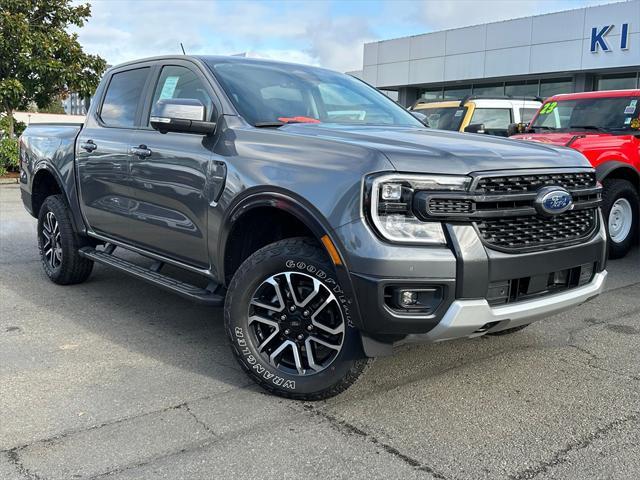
{"x": 615, "y": 2}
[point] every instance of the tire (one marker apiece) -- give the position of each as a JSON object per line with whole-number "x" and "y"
{"x": 620, "y": 208}
{"x": 268, "y": 326}
{"x": 508, "y": 331}
{"x": 58, "y": 244}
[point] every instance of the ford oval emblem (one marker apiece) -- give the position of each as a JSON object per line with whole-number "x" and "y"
{"x": 553, "y": 200}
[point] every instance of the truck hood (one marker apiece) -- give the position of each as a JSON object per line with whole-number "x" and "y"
{"x": 424, "y": 150}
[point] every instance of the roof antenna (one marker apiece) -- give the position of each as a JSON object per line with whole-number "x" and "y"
{"x": 182, "y": 47}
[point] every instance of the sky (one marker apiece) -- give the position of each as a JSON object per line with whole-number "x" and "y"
{"x": 328, "y": 33}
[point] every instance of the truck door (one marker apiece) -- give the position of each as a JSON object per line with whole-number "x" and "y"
{"x": 103, "y": 158}
{"x": 169, "y": 174}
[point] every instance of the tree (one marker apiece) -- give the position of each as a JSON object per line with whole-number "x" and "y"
{"x": 40, "y": 61}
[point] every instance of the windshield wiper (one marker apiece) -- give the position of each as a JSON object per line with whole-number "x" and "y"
{"x": 589, "y": 127}
{"x": 268, "y": 124}
{"x": 277, "y": 123}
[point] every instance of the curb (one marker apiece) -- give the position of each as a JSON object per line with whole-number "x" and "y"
{"x": 8, "y": 181}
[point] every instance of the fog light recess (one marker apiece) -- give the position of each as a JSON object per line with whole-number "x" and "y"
{"x": 414, "y": 299}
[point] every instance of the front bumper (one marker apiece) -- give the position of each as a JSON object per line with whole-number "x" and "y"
{"x": 468, "y": 318}
{"x": 467, "y": 271}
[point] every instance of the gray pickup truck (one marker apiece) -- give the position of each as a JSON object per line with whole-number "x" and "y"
{"x": 329, "y": 222}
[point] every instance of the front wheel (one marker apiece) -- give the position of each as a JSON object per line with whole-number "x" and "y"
{"x": 288, "y": 322}
{"x": 620, "y": 208}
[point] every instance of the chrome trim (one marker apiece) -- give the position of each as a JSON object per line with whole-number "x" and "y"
{"x": 145, "y": 253}
{"x": 466, "y": 318}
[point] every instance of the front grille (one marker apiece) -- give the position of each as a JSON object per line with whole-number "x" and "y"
{"x": 533, "y": 182}
{"x": 450, "y": 205}
{"x": 533, "y": 232}
{"x": 505, "y": 210}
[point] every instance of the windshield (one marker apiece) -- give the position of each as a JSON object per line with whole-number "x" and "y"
{"x": 613, "y": 113}
{"x": 269, "y": 94}
{"x": 444, "y": 118}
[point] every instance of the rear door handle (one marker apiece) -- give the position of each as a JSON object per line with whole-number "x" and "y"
{"x": 140, "y": 151}
{"x": 89, "y": 146}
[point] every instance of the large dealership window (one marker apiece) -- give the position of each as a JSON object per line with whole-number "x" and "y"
{"x": 554, "y": 86}
{"x": 431, "y": 94}
{"x": 521, "y": 89}
{"x": 617, "y": 82}
{"x": 493, "y": 90}
{"x": 456, "y": 93}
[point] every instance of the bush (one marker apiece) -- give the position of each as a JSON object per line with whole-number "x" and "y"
{"x": 9, "y": 155}
{"x": 18, "y": 127}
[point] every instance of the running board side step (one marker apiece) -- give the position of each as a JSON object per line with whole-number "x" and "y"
{"x": 152, "y": 275}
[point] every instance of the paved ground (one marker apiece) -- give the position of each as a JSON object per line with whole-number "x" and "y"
{"x": 117, "y": 379}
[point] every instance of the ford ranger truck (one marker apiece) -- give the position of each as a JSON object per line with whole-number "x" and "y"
{"x": 605, "y": 127}
{"x": 478, "y": 114}
{"x": 328, "y": 222}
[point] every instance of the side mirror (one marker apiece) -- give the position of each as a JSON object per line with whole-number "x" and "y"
{"x": 180, "y": 115}
{"x": 515, "y": 128}
{"x": 422, "y": 118}
{"x": 475, "y": 128}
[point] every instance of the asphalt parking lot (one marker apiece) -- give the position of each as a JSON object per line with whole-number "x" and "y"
{"x": 117, "y": 379}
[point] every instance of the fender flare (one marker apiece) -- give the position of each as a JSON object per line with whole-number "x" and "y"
{"x": 303, "y": 211}
{"x": 604, "y": 170}
{"x": 47, "y": 167}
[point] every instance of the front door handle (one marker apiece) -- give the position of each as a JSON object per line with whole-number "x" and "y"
{"x": 89, "y": 146}
{"x": 140, "y": 151}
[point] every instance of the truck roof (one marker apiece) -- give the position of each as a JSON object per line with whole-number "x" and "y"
{"x": 213, "y": 58}
{"x": 598, "y": 94}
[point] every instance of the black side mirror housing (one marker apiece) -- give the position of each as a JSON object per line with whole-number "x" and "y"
{"x": 185, "y": 115}
{"x": 475, "y": 128}
{"x": 422, "y": 118}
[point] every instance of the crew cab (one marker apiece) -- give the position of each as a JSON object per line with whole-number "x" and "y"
{"x": 605, "y": 127}
{"x": 327, "y": 221}
{"x": 477, "y": 114}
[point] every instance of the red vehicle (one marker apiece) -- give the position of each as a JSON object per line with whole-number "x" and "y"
{"x": 605, "y": 127}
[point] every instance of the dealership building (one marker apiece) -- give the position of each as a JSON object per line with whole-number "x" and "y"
{"x": 593, "y": 48}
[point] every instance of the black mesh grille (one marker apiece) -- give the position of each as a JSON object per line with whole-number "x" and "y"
{"x": 531, "y": 183}
{"x": 536, "y": 232}
{"x": 450, "y": 205}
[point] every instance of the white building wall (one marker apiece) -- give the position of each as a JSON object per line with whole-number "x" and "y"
{"x": 556, "y": 42}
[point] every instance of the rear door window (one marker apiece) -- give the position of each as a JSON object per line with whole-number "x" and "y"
{"x": 122, "y": 98}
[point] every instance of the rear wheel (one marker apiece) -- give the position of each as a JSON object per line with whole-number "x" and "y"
{"x": 620, "y": 208}
{"x": 287, "y": 319}
{"x": 58, "y": 244}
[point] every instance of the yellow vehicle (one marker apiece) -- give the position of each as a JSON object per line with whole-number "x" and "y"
{"x": 490, "y": 115}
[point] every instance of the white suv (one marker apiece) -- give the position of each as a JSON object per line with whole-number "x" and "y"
{"x": 491, "y": 115}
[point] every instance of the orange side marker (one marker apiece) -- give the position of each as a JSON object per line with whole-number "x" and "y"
{"x": 333, "y": 252}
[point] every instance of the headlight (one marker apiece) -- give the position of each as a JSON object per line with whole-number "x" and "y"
{"x": 389, "y": 204}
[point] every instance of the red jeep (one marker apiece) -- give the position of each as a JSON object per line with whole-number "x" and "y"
{"x": 605, "y": 127}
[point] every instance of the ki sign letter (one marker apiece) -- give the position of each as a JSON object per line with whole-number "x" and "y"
{"x": 599, "y": 41}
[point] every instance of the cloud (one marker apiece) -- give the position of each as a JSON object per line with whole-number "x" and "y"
{"x": 330, "y": 34}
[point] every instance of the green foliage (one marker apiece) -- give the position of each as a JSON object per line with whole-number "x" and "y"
{"x": 40, "y": 61}
{"x": 18, "y": 127}
{"x": 9, "y": 155}
{"x": 55, "y": 107}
